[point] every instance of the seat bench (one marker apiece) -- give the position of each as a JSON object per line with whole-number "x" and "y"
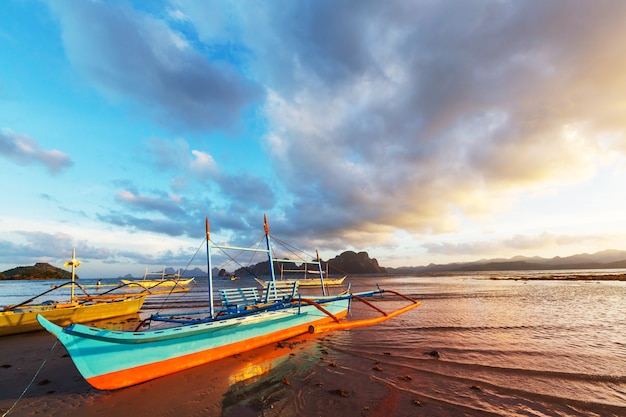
{"x": 238, "y": 298}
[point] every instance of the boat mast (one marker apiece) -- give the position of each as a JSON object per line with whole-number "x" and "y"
{"x": 319, "y": 265}
{"x": 209, "y": 266}
{"x": 269, "y": 248}
{"x": 270, "y": 256}
{"x": 74, "y": 263}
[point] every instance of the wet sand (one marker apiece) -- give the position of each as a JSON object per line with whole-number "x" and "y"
{"x": 283, "y": 379}
{"x": 59, "y": 390}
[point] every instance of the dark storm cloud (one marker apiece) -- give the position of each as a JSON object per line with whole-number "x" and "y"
{"x": 134, "y": 56}
{"x": 411, "y": 113}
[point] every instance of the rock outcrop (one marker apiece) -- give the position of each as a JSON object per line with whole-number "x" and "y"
{"x": 355, "y": 263}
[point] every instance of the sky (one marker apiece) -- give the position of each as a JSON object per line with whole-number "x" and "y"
{"x": 418, "y": 131}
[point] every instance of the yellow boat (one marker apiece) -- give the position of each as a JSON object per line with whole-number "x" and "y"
{"x": 307, "y": 282}
{"x": 165, "y": 280}
{"x": 22, "y": 318}
{"x": 313, "y": 278}
{"x": 316, "y": 282}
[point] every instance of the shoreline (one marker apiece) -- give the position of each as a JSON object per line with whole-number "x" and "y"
{"x": 566, "y": 277}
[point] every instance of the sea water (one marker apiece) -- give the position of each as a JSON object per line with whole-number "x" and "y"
{"x": 477, "y": 346}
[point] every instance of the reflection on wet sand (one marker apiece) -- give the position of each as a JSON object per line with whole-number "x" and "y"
{"x": 266, "y": 373}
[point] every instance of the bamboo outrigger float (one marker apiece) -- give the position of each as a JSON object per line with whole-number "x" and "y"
{"x": 115, "y": 359}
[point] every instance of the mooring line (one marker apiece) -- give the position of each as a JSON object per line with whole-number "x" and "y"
{"x": 31, "y": 381}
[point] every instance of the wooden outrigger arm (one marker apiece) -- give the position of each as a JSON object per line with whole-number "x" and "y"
{"x": 320, "y": 308}
{"x": 346, "y": 324}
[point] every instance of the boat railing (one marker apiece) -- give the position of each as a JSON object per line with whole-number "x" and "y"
{"x": 280, "y": 290}
{"x": 304, "y": 271}
{"x": 288, "y": 302}
{"x": 235, "y": 299}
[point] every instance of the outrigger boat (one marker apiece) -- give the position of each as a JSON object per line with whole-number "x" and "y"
{"x": 329, "y": 282}
{"x": 313, "y": 278}
{"x": 310, "y": 282}
{"x": 22, "y": 317}
{"x": 165, "y": 280}
{"x": 110, "y": 359}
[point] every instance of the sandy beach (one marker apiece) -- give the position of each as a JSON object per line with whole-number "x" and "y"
{"x": 59, "y": 390}
{"x": 272, "y": 381}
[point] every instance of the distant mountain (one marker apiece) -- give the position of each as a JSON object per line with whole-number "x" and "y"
{"x": 608, "y": 259}
{"x": 196, "y": 273}
{"x": 38, "y": 271}
{"x": 355, "y": 263}
{"x": 347, "y": 263}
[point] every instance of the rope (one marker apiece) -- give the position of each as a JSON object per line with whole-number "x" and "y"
{"x": 31, "y": 381}
{"x": 167, "y": 297}
{"x": 233, "y": 259}
{"x": 302, "y": 254}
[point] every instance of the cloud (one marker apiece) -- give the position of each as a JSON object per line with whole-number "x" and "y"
{"x": 519, "y": 243}
{"x": 185, "y": 164}
{"x": 165, "y": 225}
{"x": 169, "y": 206}
{"x": 134, "y": 56}
{"x": 25, "y": 150}
{"x": 55, "y": 248}
{"x": 160, "y": 214}
{"x": 167, "y": 155}
{"x": 409, "y": 115}
{"x": 246, "y": 187}
{"x": 241, "y": 196}
{"x": 203, "y": 164}
{"x": 381, "y": 116}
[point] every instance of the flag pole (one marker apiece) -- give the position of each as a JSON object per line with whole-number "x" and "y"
{"x": 74, "y": 263}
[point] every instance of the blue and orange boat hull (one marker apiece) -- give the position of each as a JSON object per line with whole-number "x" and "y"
{"x": 110, "y": 359}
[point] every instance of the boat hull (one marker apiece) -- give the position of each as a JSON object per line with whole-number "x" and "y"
{"x": 25, "y": 320}
{"x": 147, "y": 283}
{"x": 313, "y": 282}
{"x": 307, "y": 282}
{"x": 111, "y": 360}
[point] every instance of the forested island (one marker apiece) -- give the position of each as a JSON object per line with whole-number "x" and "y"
{"x": 39, "y": 271}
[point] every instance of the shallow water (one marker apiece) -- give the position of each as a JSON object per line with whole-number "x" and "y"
{"x": 475, "y": 347}
{"x": 526, "y": 348}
